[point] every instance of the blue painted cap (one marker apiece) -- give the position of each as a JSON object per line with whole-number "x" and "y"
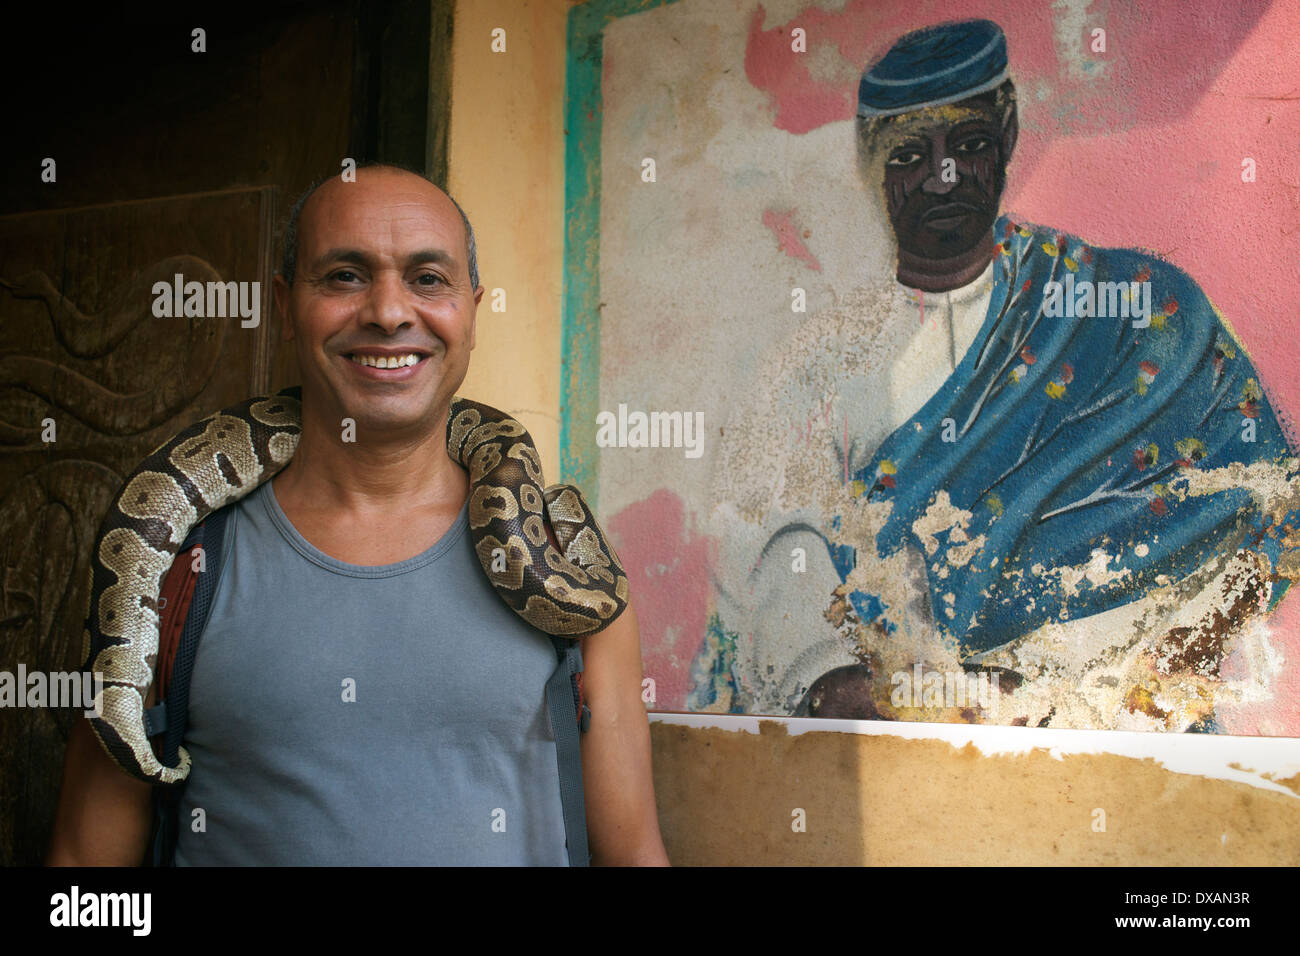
{"x": 936, "y": 65}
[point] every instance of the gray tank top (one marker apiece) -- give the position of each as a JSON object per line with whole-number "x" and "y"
{"x": 342, "y": 714}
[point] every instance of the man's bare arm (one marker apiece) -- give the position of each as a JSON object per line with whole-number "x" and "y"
{"x": 104, "y": 814}
{"x": 622, "y": 820}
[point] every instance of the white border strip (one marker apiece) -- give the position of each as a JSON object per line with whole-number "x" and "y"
{"x": 1201, "y": 755}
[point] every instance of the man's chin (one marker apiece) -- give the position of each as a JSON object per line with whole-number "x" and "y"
{"x": 927, "y": 242}
{"x": 389, "y": 411}
{"x": 379, "y": 421}
{"x": 946, "y": 246}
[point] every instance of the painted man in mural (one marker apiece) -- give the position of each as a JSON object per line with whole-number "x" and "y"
{"x": 1064, "y": 493}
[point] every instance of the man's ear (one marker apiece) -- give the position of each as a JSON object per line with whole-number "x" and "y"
{"x": 473, "y": 320}
{"x": 1010, "y": 132}
{"x": 281, "y": 292}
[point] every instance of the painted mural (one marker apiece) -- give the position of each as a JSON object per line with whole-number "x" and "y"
{"x": 944, "y": 355}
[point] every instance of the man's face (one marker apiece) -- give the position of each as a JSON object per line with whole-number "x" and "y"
{"x": 382, "y": 279}
{"x": 944, "y": 169}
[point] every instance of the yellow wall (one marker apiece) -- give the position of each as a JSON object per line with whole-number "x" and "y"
{"x": 506, "y": 168}
{"x": 728, "y": 796}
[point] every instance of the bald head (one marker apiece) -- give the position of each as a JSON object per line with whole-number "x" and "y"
{"x": 378, "y": 268}
{"x": 309, "y": 202}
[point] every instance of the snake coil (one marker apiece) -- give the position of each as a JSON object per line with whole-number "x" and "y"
{"x": 576, "y": 590}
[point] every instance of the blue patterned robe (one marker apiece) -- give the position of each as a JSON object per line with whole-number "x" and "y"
{"x": 1065, "y": 435}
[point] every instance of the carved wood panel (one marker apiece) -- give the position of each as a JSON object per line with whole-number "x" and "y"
{"x": 85, "y": 361}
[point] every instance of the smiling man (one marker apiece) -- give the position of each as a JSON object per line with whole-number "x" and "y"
{"x": 354, "y": 563}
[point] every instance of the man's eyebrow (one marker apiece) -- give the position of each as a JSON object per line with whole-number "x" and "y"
{"x": 900, "y": 138}
{"x": 974, "y": 122}
{"x": 354, "y": 256}
{"x": 439, "y": 256}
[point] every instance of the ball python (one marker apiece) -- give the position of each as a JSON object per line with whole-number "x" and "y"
{"x": 576, "y": 590}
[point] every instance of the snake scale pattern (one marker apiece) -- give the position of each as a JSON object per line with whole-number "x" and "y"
{"x": 574, "y": 591}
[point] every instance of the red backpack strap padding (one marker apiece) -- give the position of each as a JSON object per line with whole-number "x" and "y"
{"x": 177, "y": 595}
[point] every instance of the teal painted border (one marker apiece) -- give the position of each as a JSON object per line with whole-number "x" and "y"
{"x": 580, "y": 325}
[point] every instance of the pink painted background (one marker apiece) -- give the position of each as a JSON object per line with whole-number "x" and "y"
{"x": 1139, "y": 146}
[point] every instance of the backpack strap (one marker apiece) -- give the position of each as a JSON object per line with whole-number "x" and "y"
{"x": 173, "y": 607}
{"x": 184, "y": 617}
{"x": 563, "y": 700}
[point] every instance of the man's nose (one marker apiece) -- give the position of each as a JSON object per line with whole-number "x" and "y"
{"x": 386, "y": 305}
{"x": 935, "y": 183}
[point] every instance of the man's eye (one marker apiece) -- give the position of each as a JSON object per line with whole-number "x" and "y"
{"x": 978, "y": 144}
{"x": 904, "y": 159}
{"x": 343, "y": 275}
{"x": 432, "y": 276}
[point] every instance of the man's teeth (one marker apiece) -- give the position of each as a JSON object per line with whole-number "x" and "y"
{"x": 386, "y": 361}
